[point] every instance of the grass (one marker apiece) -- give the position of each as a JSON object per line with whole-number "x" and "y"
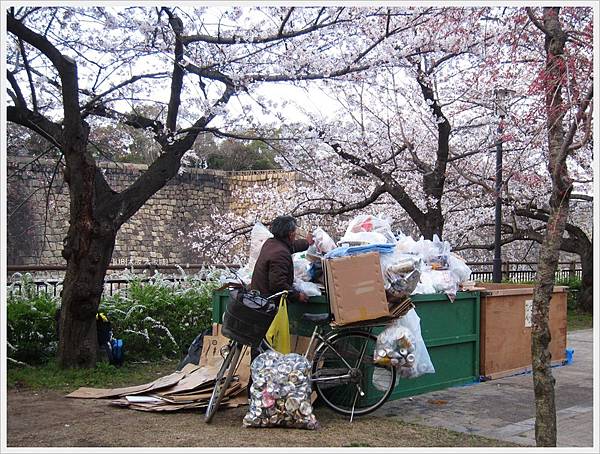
{"x": 50, "y": 376}
{"x": 577, "y": 320}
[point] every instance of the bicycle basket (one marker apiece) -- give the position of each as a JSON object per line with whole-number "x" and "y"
{"x": 247, "y": 318}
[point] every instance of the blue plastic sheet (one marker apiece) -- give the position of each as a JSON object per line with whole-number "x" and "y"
{"x": 382, "y": 248}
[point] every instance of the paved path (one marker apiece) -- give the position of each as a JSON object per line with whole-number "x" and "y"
{"x": 504, "y": 408}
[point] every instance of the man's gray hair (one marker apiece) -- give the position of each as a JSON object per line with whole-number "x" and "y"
{"x": 282, "y": 226}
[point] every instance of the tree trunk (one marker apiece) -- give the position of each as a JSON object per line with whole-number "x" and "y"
{"x": 431, "y": 224}
{"x": 543, "y": 381}
{"x": 82, "y": 290}
{"x": 585, "y": 299}
{"x": 88, "y": 250}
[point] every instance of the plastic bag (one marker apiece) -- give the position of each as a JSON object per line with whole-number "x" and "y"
{"x": 364, "y": 237}
{"x": 309, "y": 288}
{"x": 301, "y": 265}
{"x": 377, "y": 228}
{"x": 403, "y": 285}
{"x": 280, "y": 392}
{"x": 395, "y": 345}
{"x": 444, "y": 281}
{"x": 278, "y": 334}
{"x": 459, "y": 268}
{"x": 406, "y": 331}
{"x": 323, "y": 242}
{"x": 258, "y": 236}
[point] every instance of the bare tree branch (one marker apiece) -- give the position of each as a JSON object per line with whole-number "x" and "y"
{"x": 279, "y": 36}
{"x": 567, "y": 144}
{"x": 285, "y": 21}
{"x": 29, "y": 77}
{"x": 535, "y": 21}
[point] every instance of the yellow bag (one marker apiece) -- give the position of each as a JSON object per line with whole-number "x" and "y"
{"x": 278, "y": 334}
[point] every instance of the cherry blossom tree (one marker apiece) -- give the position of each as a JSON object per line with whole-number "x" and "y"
{"x": 526, "y": 183}
{"x": 71, "y": 70}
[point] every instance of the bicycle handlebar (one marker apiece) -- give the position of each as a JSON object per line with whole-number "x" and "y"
{"x": 278, "y": 294}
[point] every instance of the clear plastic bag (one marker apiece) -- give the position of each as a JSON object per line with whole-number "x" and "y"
{"x": 258, "y": 236}
{"x": 280, "y": 392}
{"x": 403, "y": 285}
{"x": 393, "y": 346}
{"x": 422, "y": 362}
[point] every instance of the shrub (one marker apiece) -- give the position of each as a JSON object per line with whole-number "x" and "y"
{"x": 160, "y": 318}
{"x": 574, "y": 284}
{"x": 31, "y": 329}
{"x": 156, "y": 318}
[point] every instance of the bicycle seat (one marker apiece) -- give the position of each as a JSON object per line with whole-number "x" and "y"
{"x": 319, "y": 319}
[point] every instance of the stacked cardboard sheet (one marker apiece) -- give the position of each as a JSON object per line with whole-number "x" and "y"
{"x": 396, "y": 310}
{"x": 190, "y": 387}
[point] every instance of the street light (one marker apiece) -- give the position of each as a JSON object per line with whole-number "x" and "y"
{"x": 501, "y": 97}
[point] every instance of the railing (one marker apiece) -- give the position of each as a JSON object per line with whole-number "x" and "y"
{"x": 522, "y": 271}
{"x": 511, "y": 271}
{"x": 54, "y": 286}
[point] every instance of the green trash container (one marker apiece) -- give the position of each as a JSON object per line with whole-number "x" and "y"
{"x": 450, "y": 331}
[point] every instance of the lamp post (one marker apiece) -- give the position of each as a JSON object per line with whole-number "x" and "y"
{"x": 501, "y": 96}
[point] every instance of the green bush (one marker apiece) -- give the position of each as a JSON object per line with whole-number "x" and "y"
{"x": 31, "y": 329}
{"x": 574, "y": 284}
{"x": 156, "y": 319}
{"x": 160, "y": 318}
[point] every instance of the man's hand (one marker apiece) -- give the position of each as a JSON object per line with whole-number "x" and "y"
{"x": 309, "y": 239}
{"x": 303, "y": 297}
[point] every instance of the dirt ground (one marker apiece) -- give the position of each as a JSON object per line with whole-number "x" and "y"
{"x": 48, "y": 419}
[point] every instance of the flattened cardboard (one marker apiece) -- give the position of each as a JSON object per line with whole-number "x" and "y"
{"x": 211, "y": 346}
{"x": 355, "y": 288}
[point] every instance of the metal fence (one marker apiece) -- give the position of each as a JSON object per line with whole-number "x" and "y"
{"x": 54, "y": 286}
{"x": 517, "y": 272}
{"x": 520, "y": 272}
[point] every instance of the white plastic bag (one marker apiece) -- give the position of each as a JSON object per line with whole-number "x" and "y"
{"x": 309, "y": 288}
{"x": 422, "y": 363}
{"x": 301, "y": 265}
{"x": 258, "y": 236}
{"x": 444, "y": 281}
{"x": 364, "y": 238}
{"x": 366, "y": 223}
{"x": 425, "y": 284}
{"x": 459, "y": 268}
{"x": 323, "y": 242}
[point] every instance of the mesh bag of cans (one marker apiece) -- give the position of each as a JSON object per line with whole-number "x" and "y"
{"x": 402, "y": 346}
{"x": 280, "y": 392}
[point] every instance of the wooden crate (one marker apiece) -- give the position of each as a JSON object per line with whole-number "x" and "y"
{"x": 505, "y": 343}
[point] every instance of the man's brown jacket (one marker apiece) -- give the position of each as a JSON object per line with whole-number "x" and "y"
{"x": 274, "y": 269}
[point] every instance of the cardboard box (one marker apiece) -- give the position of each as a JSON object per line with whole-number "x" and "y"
{"x": 505, "y": 330}
{"x": 355, "y": 288}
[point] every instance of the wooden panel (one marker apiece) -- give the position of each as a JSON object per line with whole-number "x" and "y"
{"x": 506, "y": 333}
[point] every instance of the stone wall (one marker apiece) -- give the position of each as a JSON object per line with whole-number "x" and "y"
{"x": 155, "y": 234}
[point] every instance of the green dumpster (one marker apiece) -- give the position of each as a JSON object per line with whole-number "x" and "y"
{"x": 450, "y": 331}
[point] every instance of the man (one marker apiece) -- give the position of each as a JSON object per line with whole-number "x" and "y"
{"x": 274, "y": 269}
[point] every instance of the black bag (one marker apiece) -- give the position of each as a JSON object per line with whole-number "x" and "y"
{"x": 247, "y": 317}
{"x": 195, "y": 349}
{"x": 103, "y": 328}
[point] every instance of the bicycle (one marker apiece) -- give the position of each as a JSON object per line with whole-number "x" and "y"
{"x": 343, "y": 373}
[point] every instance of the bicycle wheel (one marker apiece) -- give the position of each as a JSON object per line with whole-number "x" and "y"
{"x": 223, "y": 379}
{"x": 350, "y": 354}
